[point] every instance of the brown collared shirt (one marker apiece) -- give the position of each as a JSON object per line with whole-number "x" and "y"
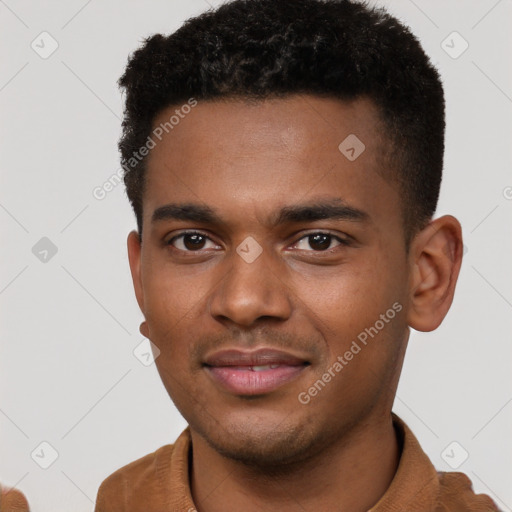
{"x": 159, "y": 482}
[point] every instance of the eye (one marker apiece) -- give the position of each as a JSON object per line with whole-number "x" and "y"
{"x": 194, "y": 241}
{"x": 190, "y": 241}
{"x": 320, "y": 241}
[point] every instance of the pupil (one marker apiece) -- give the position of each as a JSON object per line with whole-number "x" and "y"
{"x": 196, "y": 241}
{"x": 323, "y": 241}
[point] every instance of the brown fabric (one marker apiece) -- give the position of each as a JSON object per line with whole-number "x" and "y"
{"x": 159, "y": 482}
{"x": 12, "y": 500}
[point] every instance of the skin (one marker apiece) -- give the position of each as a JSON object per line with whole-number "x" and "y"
{"x": 246, "y": 161}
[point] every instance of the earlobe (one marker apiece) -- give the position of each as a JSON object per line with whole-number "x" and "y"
{"x": 144, "y": 330}
{"x": 134, "y": 256}
{"x": 435, "y": 258}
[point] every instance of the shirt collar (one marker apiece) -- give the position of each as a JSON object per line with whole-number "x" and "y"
{"x": 414, "y": 488}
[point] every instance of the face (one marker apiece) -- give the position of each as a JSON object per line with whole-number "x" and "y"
{"x": 273, "y": 274}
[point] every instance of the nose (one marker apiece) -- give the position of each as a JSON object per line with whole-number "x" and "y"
{"x": 251, "y": 291}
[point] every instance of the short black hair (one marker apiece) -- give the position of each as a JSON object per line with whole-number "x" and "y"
{"x": 259, "y": 49}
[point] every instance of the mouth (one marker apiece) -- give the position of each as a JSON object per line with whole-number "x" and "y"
{"x": 254, "y": 373}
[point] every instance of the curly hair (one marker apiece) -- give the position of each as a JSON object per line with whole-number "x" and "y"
{"x": 258, "y": 49}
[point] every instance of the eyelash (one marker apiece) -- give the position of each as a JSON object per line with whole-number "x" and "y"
{"x": 342, "y": 241}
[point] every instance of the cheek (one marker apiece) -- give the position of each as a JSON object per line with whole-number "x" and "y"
{"x": 168, "y": 296}
{"x": 348, "y": 306}
{"x": 171, "y": 304}
{"x": 349, "y": 299}
{"x": 175, "y": 304}
{"x": 363, "y": 348}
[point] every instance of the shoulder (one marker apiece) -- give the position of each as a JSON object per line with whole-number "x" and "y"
{"x": 456, "y": 493}
{"x": 121, "y": 490}
{"x": 439, "y": 491}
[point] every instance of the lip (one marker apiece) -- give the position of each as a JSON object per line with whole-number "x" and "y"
{"x": 259, "y": 357}
{"x": 234, "y": 370}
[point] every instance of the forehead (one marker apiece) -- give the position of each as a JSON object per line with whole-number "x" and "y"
{"x": 231, "y": 154}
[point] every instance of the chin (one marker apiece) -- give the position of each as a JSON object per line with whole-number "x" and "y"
{"x": 263, "y": 444}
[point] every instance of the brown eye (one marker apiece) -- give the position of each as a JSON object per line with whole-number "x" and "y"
{"x": 319, "y": 241}
{"x": 189, "y": 242}
{"x": 193, "y": 242}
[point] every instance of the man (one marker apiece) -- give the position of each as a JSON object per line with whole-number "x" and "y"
{"x": 284, "y": 159}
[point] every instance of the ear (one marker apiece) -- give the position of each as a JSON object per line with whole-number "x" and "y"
{"x": 435, "y": 259}
{"x": 134, "y": 256}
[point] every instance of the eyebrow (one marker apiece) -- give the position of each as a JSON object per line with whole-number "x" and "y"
{"x": 332, "y": 209}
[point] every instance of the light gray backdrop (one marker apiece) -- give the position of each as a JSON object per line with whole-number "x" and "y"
{"x": 69, "y": 322}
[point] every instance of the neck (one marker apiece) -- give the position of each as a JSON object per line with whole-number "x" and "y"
{"x": 353, "y": 474}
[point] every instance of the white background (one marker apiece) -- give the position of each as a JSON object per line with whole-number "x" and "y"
{"x": 69, "y": 326}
